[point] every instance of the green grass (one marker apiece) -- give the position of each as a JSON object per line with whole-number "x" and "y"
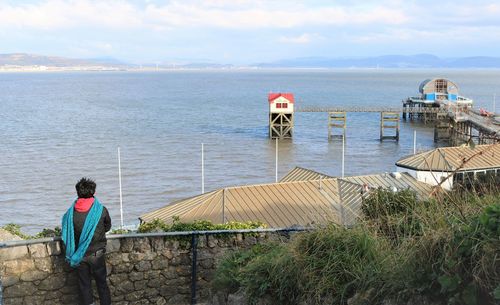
{"x": 445, "y": 249}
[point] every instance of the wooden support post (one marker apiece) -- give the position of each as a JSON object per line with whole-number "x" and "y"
{"x": 337, "y": 120}
{"x": 441, "y": 128}
{"x": 389, "y": 120}
{"x": 281, "y": 125}
{"x": 405, "y": 108}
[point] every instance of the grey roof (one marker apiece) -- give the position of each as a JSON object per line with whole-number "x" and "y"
{"x": 447, "y": 159}
{"x": 303, "y": 174}
{"x": 285, "y": 204}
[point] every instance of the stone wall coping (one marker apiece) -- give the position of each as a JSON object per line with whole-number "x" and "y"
{"x": 10, "y": 244}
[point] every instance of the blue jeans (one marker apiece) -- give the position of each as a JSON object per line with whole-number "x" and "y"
{"x": 93, "y": 265}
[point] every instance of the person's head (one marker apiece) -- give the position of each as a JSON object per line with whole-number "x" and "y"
{"x": 85, "y": 188}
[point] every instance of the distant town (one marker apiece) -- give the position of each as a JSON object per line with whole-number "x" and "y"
{"x": 23, "y": 62}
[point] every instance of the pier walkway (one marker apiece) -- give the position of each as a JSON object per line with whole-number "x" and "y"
{"x": 370, "y": 109}
{"x": 487, "y": 124}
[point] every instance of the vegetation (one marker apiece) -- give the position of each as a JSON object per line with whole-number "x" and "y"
{"x": 445, "y": 249}
{"x": 148, "y": 227}
{"x": 15, "y": 229}
{"x": 158, "y": 225}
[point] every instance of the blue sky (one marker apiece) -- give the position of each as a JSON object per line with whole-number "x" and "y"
{"x": 241, "y": 31}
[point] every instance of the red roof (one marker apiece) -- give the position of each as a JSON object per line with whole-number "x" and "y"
{"x": 272, "y": 96}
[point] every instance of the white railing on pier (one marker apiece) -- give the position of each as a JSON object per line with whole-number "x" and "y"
{"x": 370, "y": 109}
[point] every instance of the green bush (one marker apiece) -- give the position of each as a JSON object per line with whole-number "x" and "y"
{"x": 228, "y": 276}
{"x": 322, "y": 267}
{"x": 455, "y": 259}
{"x": 48, "y": 233}
{"x": 158, "y": 225}
{"x": 445, "y": 249}
{"x": 338, "y": 262}
{"x": 274, "y": 272}
{"x": 16, "y": 230}
{"x": 393, "y": 214}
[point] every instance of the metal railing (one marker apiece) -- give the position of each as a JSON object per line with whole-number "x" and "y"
{"x": 371, "y": 109}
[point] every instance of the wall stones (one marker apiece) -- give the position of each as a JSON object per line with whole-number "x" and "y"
{"x": 141, "y": 270}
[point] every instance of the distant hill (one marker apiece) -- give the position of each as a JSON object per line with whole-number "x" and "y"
{"x": 387, "y": 61}
{"x": 24, "y": 59}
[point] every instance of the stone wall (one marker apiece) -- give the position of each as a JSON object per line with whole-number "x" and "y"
{"x": 141, "y": 269}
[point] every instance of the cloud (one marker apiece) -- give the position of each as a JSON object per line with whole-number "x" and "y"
{"x": 162, "y": 28}
{"x": 239, "y": 14}
{"x": 55, "y": 14}
{"x": 301, "y": 39}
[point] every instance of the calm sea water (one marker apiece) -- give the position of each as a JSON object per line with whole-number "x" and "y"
{"x": 58, "y": 127}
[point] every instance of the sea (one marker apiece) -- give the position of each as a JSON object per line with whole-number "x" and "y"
{"x": 58, "y": 127}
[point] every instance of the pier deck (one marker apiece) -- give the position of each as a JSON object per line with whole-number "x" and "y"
{"x": 483, "y": 124}
{"x": 370, "y": 109}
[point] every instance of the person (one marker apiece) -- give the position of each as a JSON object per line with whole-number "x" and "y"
{"x": 84, "y": 228}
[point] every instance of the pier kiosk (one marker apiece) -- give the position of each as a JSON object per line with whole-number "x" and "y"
{"x": 281, "y": 110}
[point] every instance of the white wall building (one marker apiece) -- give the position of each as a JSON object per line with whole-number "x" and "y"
{"x": 455, "y": 165}
{"x": 281, "y": 102}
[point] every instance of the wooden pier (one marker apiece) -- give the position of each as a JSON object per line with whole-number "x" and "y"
{"x": 453, "y": 124}
{"x": 453, "y": 118}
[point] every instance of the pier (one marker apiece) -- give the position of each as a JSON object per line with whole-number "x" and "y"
{"x": 452, "y": 116}
{"x": 450, "y": 122}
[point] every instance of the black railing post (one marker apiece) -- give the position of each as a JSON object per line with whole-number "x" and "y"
{"x": 194, "y": 252}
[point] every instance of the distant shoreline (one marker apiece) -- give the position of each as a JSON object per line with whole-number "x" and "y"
{"x": 232, "y": 69}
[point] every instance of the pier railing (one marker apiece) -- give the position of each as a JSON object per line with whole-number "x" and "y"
{"x": 370, "y": 109}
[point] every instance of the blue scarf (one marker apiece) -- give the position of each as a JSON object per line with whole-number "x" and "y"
{"x": 75, "y": 256}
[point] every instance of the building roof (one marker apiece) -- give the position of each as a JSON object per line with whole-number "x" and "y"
{"x": 286, "y": 204}
{"x": 398, "y": 181}
{"x": 303, "y": 174}
{"x": 277, "y": 204}
{"x": 447, "y": 159}
{"x": 272, "y": 96}
{"x": 451, "y": 85}
{"x": 393, "y": 181}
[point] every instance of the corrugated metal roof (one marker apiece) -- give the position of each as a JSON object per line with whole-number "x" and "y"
{"x": 453, "y": 158}
{"x": 393, "y": 181}
{"x": 303, "y": 174}
{"x": 285, "y": 204}
{"x": 179, "y": 207}
{"x": 277, "y": 205}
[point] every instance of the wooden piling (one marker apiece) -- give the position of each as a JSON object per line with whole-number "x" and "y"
{"x": 337, "y": 119}
{"x": 389, "y": 120}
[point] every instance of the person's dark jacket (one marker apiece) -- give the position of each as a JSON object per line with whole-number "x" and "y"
{"x": 99, "y": 240}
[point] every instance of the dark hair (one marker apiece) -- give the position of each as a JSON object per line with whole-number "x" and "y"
{"x": 85, "y": 188}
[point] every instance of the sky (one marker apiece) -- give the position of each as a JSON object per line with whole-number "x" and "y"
{"x": 247, "y": 32}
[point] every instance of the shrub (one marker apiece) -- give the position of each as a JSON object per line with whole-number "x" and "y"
{"x": 49, "y": 233}
{"x": 228, "y": 276}
{"x": 458, "y": 263}
{"x": 393, "y": 213}
{"x": 444, "y": 249}
{"x": 15, "y": 229}
{"x": 337, "y": 262}
{"x": 158, "y": 225}
{"x": 322, "y": 267}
